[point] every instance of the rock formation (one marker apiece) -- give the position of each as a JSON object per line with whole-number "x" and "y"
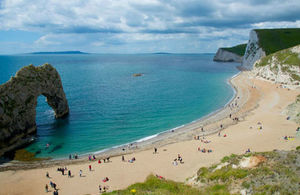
{"x": 226, "y": 56}
{"x": 253, "y": 51}
{"x": 18, "y": 100}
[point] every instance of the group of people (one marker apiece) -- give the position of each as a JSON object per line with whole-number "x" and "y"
{"x": 53, "y": 185}
{"x": 75, "y": 156}
{"x": 178, "y": 159}
{"x": 103, "y": 189}
{"x": 204, "y": 150}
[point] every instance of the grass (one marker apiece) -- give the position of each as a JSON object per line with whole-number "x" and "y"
{"x": 153, "y": 185}
{"x": 238, "y": 49}
{"x": 273, "y": 40}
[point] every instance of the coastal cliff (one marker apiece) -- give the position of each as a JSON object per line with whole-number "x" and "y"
{"x": 18, "y": 100}
{"x": 230, "y": 54}
{"x": 263, "y": 42}
{"x": 280, "y": 67}
{"x": 226, "y": 56}
{"x": 253, "y": 51}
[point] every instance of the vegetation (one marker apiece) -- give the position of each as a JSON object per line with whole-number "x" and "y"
{"x": 273, "y": 40}
{"x": 280, "y": 174}
{"x": 154, "y": 185}
{"x": 24, "y": 155}
{"x": 238, "y": 49}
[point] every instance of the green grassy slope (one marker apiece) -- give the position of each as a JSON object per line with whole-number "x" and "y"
{"x": 272, "y": 40}
{"x": 238, "y": 49}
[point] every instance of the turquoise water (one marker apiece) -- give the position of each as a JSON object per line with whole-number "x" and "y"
{"x": 109, "y": 107}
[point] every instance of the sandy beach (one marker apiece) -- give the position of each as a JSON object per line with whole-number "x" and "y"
{"x": 258, "y": 104}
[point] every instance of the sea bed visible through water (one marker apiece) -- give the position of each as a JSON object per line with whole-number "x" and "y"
{"x": 110, "y": 107}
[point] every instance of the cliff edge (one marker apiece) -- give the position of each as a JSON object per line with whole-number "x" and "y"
{"x": 230, "y": 54}
{"x": 18, "y": 100}
{"x": 263, "y": 42}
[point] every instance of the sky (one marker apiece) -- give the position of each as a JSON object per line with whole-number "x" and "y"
{"x": 137, "y": 26}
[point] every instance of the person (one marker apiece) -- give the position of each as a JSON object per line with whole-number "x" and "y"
{"x": 63, "y": 171}
{"x": 47, "y": 175}
{"x": 155, "y": 150}
{"x": 80, "y": 173}
{"x": 69, "y": 173}
{"x": 70, "y": 157}
{"x": 99, "y": 161}
{"x": 219, "y": 134}
{"x": 100, "y": 188}
{"x": 54, "y": 186}
{"x": 199, "y": 149}
{"x": 90, "y": 157}
{"x": 123, "y": 158}
{"x": 107, "y": 159}
{"x": 221, "y": 126}
{"x": 90, "y": 167}
{"x": 229, "y": 115}
{"x": 175, "y": 162}
{"x": 55, "y": 192}
{"x": 46, "y": 188}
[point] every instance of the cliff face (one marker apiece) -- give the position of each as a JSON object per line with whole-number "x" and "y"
{"x": 18, "y": 100}
{"x": 226, "y": 56}
{"x": 280, "y": 67}
{"x": 253, "y": 51}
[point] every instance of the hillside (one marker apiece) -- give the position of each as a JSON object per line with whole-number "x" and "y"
{"x": 275, "y": 172}
{"x": 281, "y": 67}
{"x": 263, "y": 42}
{"x": 273, "y": 40}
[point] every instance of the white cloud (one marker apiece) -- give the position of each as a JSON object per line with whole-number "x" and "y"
{"x": 96, "y": 24}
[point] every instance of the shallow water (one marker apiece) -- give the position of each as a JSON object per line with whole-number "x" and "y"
{"x": 109, "y": 107}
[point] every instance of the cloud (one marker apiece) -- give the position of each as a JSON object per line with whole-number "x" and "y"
{"x": 125, "y": 23}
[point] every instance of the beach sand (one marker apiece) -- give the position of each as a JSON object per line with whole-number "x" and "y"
{"x": 264, "y": 103}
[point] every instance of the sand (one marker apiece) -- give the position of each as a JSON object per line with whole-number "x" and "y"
{"x": 265, "y": 104}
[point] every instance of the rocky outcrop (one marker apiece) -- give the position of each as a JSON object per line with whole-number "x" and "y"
{"x": 280, "y": 67}
{"x": 18, "y": 100}
{"x": 253, "y": 51}
{"x": 226, "y": 56}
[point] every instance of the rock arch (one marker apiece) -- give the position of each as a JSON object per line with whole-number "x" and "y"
{"x": 18, "y": 101}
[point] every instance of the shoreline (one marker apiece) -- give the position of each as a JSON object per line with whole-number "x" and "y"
{"x": 262, "y": 126}
{"x": 157, "y": 140}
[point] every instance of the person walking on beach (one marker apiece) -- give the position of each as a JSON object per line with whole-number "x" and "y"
{"x": 123, "y": 158}
{"x": 80, "y": 173}
{"x": 90, "y": 167}
{"x": 155, "y": 150}
{"x": 46, "y": 188}
{"x": 69, "y": 173}
{"x": 47, "y": 175}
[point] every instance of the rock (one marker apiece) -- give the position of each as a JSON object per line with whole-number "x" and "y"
{"x": 252, "y": 161}
{"x": 18, "y": 100}
{"x": 227, "y": 56}
{"x": 253, "y": 51}
{"x": 137, "y": 74}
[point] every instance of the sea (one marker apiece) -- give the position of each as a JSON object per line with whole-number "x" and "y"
{"x": 110, "y": 107}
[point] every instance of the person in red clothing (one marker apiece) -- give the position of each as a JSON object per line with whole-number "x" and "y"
{"x": 90, "y": 167}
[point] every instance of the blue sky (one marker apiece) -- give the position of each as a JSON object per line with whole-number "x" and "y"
{"x": 137, "y": 26}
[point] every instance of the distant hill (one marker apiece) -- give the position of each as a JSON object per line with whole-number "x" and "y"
{"x": 230, "y": 54}
{"x": 238, "y": 49}
{"x": 60, "y": 52}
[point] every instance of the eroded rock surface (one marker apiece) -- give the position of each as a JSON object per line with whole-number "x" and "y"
{"x": 18, "y": 100}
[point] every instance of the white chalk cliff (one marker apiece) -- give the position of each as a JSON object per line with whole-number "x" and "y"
{"x": 223, "y": 55}
{"x": 253, "y": 51}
